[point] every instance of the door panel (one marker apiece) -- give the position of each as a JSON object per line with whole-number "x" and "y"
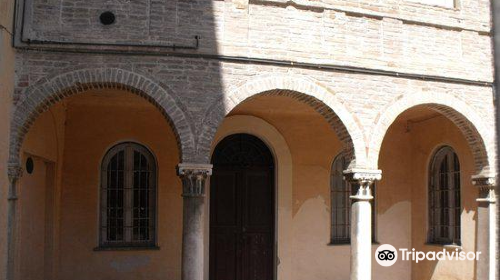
{"x": 257, "y": 259}
{"x": 242, "y": 210}
{"x": 224, "y": 226}
{"x": 225, "y": 210}
{"x": 257, "y": 231}
{"x": 258, "y": 199}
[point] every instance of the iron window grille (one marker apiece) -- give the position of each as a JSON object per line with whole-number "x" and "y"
{"x": 340, "y": 192}
{"x": 128, "y": 197}
{"x": 444, "y": 198}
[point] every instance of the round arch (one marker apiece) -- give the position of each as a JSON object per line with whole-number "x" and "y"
{"x": 479, "y": 138}
{"x": 345, "y": 125}
{"x": 38, "y": 97}
{"x": 283, "y": 181}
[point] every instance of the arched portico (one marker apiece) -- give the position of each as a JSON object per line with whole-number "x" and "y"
{"x": 306, "y": 90}
{"x": 480, "y": 140}
{"x": 45, "y": 93}
{"x": 259, "y": 98}
{"x": 48, "y": 91}
{"x": 417, "y": 117}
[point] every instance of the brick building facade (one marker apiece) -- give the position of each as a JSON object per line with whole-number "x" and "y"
{"x": 372, "y": 77}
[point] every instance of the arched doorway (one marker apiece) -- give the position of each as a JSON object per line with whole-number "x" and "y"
{"x": 242, "y": 210}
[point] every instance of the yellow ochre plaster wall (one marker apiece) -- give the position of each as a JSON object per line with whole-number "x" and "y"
{"x": 6, "y": 92}
{"x": 91, "y": 128}
{"x": 402, "y": 194}
{"x": 75, "y": 135}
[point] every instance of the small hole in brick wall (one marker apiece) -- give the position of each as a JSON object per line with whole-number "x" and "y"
{"x": 107, "y": 18}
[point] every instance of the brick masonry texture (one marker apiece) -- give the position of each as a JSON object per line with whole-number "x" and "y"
{"x": 391, "y": 35}
{"x": 365, "y": 103}
{"x": 195, "y": 94}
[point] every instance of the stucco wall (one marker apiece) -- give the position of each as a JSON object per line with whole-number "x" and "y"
{"x": 426, "y": 137}
{"x": 406, "y": 154}
{"x": 90, "y": 129}
{"x": 37, "y": 230}
{"x": 401, "y": 204}
{"x": 7, "y": 64}
{"x": 394, "y": 200}
{"x": 306, "y": 134}
{"x": 95, "y": 121}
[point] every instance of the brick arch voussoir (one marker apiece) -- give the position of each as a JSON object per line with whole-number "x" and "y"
{"x": 305, "y": 90}
{"x": 46, "y": 92}
{"x": 479, "y": 139}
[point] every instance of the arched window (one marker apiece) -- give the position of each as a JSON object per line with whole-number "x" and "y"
{"x": 340, "y": 203}
{"x": 340, "y": 192}
{"x": 444, "y": 198}
{"x": 128, "y": 197}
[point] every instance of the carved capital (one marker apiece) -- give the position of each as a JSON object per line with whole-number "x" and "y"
{"x": 486, "y": 188}
{"x": 363, "y": 192}
{"x": 14, "y": 172}
{"x": 362, "y": 175}
{"x": 361, "y": 181}
{"x": 193, "y": 178}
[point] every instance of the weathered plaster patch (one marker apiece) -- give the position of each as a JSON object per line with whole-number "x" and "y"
{"x": 129, "y": 264}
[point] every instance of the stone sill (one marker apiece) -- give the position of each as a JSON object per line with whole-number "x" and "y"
{"x": 130, "y": 248}
{"x": 374, "y": 243}
{"x": 447, "y": 247}
{"x": 453, "y": 247}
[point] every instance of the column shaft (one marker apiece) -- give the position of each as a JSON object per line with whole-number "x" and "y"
{"x": 14, "y": 173}
{"x": 482, "y": 242}
{"x": 486, "y": 229}
{"x": 361, "y": 240}
{"x": 192, "y": 238}
{"x": 193, "y": 177}
{"x": 361, "y": 221}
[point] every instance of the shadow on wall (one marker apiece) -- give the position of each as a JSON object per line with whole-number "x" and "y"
{"x": 136, "y": 36}
{"x": 402, "y": 194}
{"x": 101, "y": 32}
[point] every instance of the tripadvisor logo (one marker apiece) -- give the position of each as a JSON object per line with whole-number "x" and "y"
{"x": 387, "y": 255}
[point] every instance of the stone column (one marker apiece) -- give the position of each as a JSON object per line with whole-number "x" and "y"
{"x": 486, "y": 227}
{"x": 14, "y": 173}
{"x": 361, "y": 221}
{"x": 194, "y": 177}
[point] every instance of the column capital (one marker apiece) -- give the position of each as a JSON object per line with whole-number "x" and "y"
{"x": 362, "y": 175}
{"x": 193, "y": 177}
{"x": 14, "y": 172}
{"x": 362, "y": 179}
{"x": 486, "y": 186}
{"x": 191, "y": 168}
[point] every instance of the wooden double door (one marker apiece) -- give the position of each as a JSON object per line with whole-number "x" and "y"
{"x": 242, "y": 210}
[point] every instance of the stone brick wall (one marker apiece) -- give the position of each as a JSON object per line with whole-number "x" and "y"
{"x": 243, "y": 41}
{"x": 205, "y": 90}
{"x": 395, "y": 35}
{"x": 53, "y": 38}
